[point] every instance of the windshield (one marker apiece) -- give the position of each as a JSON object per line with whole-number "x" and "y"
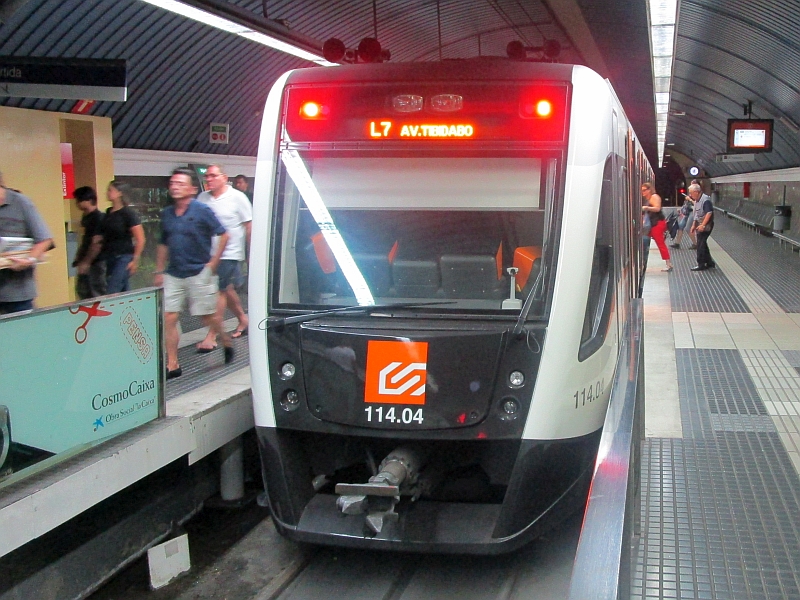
{"x": 368, "y": 228}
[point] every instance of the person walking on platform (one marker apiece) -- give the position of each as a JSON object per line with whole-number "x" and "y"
{"x": 685, "y": 222}
{"x": 19, "y": 218}
{"x": 123, "y": 239}
{"x": 235, "y": 213}
{"x": 702, "y": 226}
{"x": 187, "y": 230}
{"x": 91, "y": 279}
{"x": 658, "y": 223}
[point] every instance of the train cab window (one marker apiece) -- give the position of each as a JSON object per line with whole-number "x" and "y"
{"x": 359, "y": 229}
{"x": 601, "y": 283}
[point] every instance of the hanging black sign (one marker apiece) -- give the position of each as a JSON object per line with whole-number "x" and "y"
{"x": 63, "y": 78}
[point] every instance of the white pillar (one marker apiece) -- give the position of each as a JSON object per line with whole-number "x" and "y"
{"x": 231, "y": 470}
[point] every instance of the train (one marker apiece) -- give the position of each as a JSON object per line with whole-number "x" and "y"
{"x": 441, "y": 265}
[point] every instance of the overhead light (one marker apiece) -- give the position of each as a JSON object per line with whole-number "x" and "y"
{"x": 220, "y": 22}
{"x": 661, "y": 84}
{"x": 677, "y": 113}
{"x": 662, "y": 15}
{"x": 663, "y": 39}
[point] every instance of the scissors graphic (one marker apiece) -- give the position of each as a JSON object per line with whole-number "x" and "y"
{"x": 91, "y": 311}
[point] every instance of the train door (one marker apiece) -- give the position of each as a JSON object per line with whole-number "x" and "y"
{"x": 631, "y": 203}
{"x": 618, "y": 221}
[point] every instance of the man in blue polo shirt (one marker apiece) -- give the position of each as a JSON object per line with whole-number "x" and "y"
{"x": 187, "y": 228}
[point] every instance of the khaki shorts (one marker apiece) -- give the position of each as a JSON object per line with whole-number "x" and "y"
{"x": 200, "y": 290}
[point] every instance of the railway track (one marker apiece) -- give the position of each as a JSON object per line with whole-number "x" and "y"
{"x": 238, "y": 555}
{"x": 540, "y": 570}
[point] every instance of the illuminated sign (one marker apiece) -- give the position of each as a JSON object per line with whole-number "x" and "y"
{"x": 412, "y": 112}
{"x": 749, "y": 135}
{"x": 388, "y": 129}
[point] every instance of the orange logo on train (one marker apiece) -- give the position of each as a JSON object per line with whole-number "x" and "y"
{"x": 396, "y": 372}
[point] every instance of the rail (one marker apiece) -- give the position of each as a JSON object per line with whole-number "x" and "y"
{"x": 754, "y": 215}
{"x": 611, "y": 525}
{"x": 786, "y": 239}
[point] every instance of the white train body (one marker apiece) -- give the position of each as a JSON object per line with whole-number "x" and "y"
{"x": 389, "y": 218}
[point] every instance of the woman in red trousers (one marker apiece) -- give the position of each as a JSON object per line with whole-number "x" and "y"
{"x": 658, "y": 223}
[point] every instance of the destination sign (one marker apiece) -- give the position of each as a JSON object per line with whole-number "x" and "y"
{"x": 387, "y": 129}
{"x": 384, "y": 112}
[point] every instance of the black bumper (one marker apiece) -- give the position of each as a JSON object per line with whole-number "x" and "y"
{"x": 549, "y": 482}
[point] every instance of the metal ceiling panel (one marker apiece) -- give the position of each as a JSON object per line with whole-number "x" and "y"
{"x": 729, "y": 53}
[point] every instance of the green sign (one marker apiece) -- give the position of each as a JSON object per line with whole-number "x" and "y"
{"x": 78, "y": 373}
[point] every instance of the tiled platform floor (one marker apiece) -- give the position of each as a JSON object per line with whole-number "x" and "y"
{"x": 720, "y": 485}
{"x": 200, "y": 369}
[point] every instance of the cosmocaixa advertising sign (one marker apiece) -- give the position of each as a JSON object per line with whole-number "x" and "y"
{"x": 79, "y": 373}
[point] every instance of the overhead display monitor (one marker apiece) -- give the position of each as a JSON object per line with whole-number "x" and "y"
{"x": 749, "y": 135}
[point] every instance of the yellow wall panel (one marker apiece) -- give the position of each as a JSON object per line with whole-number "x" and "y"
{"x": 30, "y": 160}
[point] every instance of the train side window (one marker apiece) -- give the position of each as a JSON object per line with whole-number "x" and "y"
{"x": 601, "y": 283}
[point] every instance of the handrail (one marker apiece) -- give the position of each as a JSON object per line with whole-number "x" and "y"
{"x": 782, "y": 237}
{"x": 602, "y": 568}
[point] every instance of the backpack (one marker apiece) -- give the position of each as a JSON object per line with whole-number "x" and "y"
{"x": 672, "y": 225}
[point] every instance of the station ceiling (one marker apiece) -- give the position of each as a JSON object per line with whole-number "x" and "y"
{"x": 183, "y": 75}
{"x": 729, "y": 53}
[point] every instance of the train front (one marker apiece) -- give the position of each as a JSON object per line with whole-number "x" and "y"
{"x": 403, "y": 268}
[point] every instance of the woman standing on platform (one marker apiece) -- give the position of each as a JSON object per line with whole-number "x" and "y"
{"x": 658, "y": 223}
{"x": 123, "y": 239}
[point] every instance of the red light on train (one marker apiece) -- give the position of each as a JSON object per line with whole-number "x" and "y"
{"x": 544, "y": 108}
{"x": 313, "y": 110}
{"x": 536, "y": 109}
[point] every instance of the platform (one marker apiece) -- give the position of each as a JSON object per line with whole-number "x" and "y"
{"x": 720, "y": 485}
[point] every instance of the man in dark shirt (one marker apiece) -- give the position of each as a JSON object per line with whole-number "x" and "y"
{"x": 91, "y": 279}
{"x": 240, "y": 183}
{"x": 187, "y": 228}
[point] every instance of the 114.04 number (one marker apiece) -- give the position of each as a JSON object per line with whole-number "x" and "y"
{"x": 406, "y": 416}
{"x": 589, "y": 394}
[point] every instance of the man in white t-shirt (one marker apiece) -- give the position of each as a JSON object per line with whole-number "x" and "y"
{"x": 235, "y": 212}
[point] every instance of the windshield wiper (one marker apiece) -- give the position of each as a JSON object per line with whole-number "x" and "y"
{"x": 526, "y": 308}
{"x": 281, "y": 321}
